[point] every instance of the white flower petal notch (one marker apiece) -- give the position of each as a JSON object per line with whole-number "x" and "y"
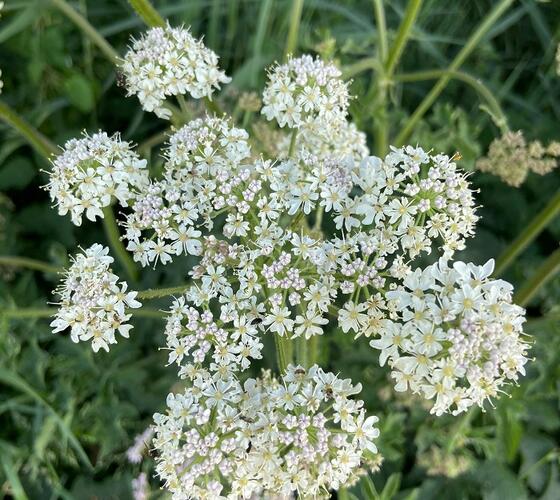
{"x": 167, "y": 62}
{"x": 306, "y": 93}
{"x": 299, "y": 434}
{"x": 454, "y": 335}
{"x": 92, "y": 172}
{"x": 93, "y": 302}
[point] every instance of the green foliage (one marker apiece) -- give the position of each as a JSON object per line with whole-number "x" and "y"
{"x": 67, "y": 416}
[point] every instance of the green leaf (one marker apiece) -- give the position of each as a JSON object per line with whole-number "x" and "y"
{"x": 14, "y": 380}
{"x": 368, "y": 489}
{"x": 80, "y": 92}
{"x": 11, "y": 474}
{"x": 17, "y": 173}
{"x": 392, "y": 486}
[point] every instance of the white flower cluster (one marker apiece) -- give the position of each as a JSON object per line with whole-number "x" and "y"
{"x": 170, "y": 62}
{"x": 300, "y": 434}
{"x": 93, "y": 301}
{"x": 91, "y": 172}
{"x": 306, "y": 93}
{"x": 454, "y": 335}
{"x": 202, "y": 170}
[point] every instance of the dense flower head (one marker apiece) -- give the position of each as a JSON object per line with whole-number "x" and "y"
{"x": 92, "y": 300}
{"x": 93, "y": 171}
{"x": 299, "y": 434}
{"x": 306, "y": 93}
{"x": 511, "y": 158}
{"x": 166, "y": 62}
{"x": 274, "y": 274}
{"x": 203, "y": 169}
{"x": 453, "y": 335}
{"x": 342, "y": 142}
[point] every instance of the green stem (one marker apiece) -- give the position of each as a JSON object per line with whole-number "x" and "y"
{"x": 352, "y": 70}
{"x": 155, "y": 293}
{"x": 114, "y": 237}
{"x": 440, "y": 85}
{"x": 293, "y": 31}
{"x": 43, "y": 146}
{"x": 528, "y": 234}
{"x": 292, "y": 143}
{"x": 484, "y": 92}
{"x": 381, "y": 125}
{"x": 313, "y": 353}
{"x": 283, "y": 352}
{"x": 47, "y": 312}
{"x": 213, "y": 106}
{"x": 88, "y": 29}
{"x": 544, "y": 273}
{"x": 381, "y": 24}
{"x": 37, "y": 265}
{"x": 410, "y": 15}
{"x": 147, "y": 13}
{"x": 302, "y": 353}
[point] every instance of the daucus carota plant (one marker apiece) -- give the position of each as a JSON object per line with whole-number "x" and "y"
{"x": 321, "y": 239}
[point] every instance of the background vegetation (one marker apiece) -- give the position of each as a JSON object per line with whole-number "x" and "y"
{"x": 67, "y": 416}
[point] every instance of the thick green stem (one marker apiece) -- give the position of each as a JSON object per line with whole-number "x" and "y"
{"x": 88, "y": 29}
{"x": 302, "y": 353}
{"x": 156, "y": 293}
{"x": 484, "y": 92}
{"x": 47, "y": 312}
{"x": 313, "y": 348}
{"x": 440, "y": 85}
{"x": 114, "y": 237}
{"x": 381, "y": 125}
{"x": 147, "y": 13}
{"x": 37, "y": 265}
{"x": 381, "y": 25}
{"x": 283, "y": 352}
{"x": 545, "y": 272}
{"x": 292, "y": 143}
{"x": 43, "y": 146}
{"x": 528, "y": 234}
{"x": 293, "y": 31}
{"x": 410, "y": 15}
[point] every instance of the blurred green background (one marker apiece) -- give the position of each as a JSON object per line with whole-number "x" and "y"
{"x": 67, "y": 416}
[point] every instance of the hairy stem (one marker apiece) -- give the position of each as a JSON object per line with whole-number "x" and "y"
{"x": 114, "y": 237}
{"x": 156, "y": 293}
{"x": 147, "y": 13}
{"x": 302, "y": 351}
{"x": 37, "y": 265}
{"x": 293, "y": 31}
{"x": 283, "y": 352}
{"x": 293, "y": 138}
{"x": 530, "y": 232}
{"x": 544, "y": 273}
{"x": 88, "y": 29}
{"x": 43, "y": 146}
{"x": 381, "y": 25}
{"x": 47, "y": 312}
{"x": 440, "y": 85}
{"x": 410, "y": 15}
{"x": 484, "y": 92}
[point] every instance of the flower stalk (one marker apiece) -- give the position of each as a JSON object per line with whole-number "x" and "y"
{"x": 114, "y": 237}
{"x": 459, "y": 59}
{"x": 545, "y": 272}
{"x": 147, "y": 13}
{"x": 525, "y": 238}
{"x": 81, "y": 22}
{"x": 293, "y": 31}
{"x": 37, "y": 265}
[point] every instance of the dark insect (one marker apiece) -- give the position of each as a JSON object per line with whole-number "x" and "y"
{"x": 300, "y": 371}
{"x": 249, "y": 448}
{"x": 329, "y": 392}
{"x": 121, "y": 79}
{"x": 257, "y": 321}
